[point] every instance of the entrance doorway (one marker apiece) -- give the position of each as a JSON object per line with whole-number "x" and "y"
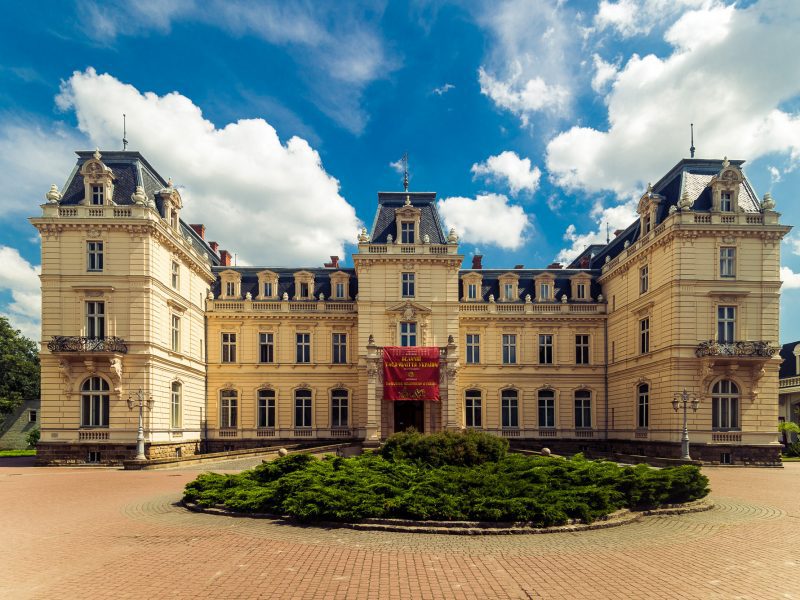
{"x": 409, "y": 413}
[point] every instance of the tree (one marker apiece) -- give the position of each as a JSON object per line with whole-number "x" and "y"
{"x": 19, "y": 366}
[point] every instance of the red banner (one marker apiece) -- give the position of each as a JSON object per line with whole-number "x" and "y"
{"x": 410, "y": 373}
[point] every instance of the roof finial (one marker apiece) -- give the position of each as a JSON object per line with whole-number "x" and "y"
{"x": 608, "y": 237}
{"x": 405, "y": 171}
{"x": 691, "y": 148}
{"x": 124, "y": 133}
{"x": 97, "y": 154}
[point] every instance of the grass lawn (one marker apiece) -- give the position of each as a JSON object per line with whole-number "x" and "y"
{"x": 790, "y": 458}
{"x": 17, "y": 453}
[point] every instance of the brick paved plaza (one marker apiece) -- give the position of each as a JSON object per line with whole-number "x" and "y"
{"x": 103, "y": 533}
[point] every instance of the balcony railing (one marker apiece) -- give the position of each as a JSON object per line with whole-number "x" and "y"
{"x": 65, "y": 343}
{"x": 736, "y": 349}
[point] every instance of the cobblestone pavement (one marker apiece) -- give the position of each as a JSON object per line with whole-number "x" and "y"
{"x": 104, "y": 533}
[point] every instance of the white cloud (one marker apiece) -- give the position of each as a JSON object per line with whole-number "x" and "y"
{"x": 339, "y": 47}
{"x": 269, "y": 201}
{"x": 398, "y": 165}
{"x": 520, "y": 96}
{"x": 729, "y": 85}
{"x": 486, "y": 219}
{"x": 612, "y": 218}
{"x": 617, "y": 15}
{"x": 791, "y": 280}
{"x": 604, "y": 72}
{"x": 443, "y": 89}
{"x": 509, "y": 167}
{"x": 628, "y": 18}
{"x": 21, "y": 279}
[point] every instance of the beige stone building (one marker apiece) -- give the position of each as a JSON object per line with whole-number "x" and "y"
{"x": 587, "y": 357}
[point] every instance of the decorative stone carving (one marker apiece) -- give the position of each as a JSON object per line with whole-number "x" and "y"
{"x": 685, "y": 202}
{"x": 248, "y": 296}
{"x": 626, "y": 244}
{"x": 363, "y": 237}
{"x": 608, "y": 258}
{"x": 452, "y": 237}
{"x": 53, "y": 196}
{"x": 491, "y": 298}
{"x": 66, "y": 373}
{"x": 768, "y": 203}
{"x": 321, "y": 297}
{"x": 210, "y": 295}
{"x": 138, "y": 196}
{"x": 673, "y": 209}
{"x": 426, "y": 239}
{"x": 285, "y": 296}
{"x": 563, "y": 298}
{"x": 390, "y": 239}
{"x": 115, "y": 372}
{"x": 527, "y": 298}
{"x": 600, "y": 298}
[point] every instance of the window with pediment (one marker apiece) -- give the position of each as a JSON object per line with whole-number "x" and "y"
{"x": 303, "y": 285}
{"x": 340, "y": 286}
{"x": 267, "y": 285}
{"x": 471, "y": 283}
{"x": 230, "y": 284}
{"x": 509, "y": 287}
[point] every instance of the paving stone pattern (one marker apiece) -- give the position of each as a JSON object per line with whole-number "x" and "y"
{"x": 103, "y": 533}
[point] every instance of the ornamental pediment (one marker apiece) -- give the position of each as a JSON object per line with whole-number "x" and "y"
{"x": 408, "y": 309}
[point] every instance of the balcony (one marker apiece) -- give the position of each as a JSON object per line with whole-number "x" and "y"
{"x": 64, "y": 343}
{"x": 738, "y": 349}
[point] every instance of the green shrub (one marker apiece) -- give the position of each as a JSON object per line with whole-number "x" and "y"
{"x": 33, "y": 437}
{"x": 792, "y": 449}
{"x": 402, "y": 483}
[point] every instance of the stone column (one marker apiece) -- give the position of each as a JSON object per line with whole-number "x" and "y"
{"x": 450, "y": 416}
{"x": 374, "y": 395}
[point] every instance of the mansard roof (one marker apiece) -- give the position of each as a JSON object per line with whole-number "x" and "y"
{"x": 130, "y": 169}
{"x": 691, "y": 174}
{"x": 322, "y": 280}
{"x": 490, "y": 282}
{"x": 389, "y": 202}
{"x": 789, "y": 365}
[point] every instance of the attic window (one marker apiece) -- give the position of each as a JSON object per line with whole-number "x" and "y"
{"x": 230, "y": 288}
{"x": 581, "y": 291}
{"x": 339, "y": 289}
{"x": 725, "y": 203}
{"x": 268, "y": 289}
{"x": 303, "y": 290}
{"x": 173, "y": 219}
{"x": 544, "y": 292}
{"x": 472, "y": 291}
{"x": 646, "y": 224}
{"x": 407, "y": 232}
{"x": 97, "y": 195}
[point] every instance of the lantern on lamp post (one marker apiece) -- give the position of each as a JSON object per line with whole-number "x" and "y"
{"x": 685, "y": 399}
{"x": 143, "y": 400}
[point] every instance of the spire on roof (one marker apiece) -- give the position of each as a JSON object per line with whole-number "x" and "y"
{"x": 691, "y": 148}
{"x": 97, "y": 154}
{"x": 405, "y": 171}
{"x": 124, "y": 133}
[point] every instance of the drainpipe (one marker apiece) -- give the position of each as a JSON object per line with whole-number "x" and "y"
{"x": 605, "y": 372}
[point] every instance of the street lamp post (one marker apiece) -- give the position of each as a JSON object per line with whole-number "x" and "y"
{"x": 143, "y": 400}
{"x": 687, "y": 400}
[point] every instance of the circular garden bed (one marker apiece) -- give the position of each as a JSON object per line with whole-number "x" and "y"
{"x": 453, "y": 482}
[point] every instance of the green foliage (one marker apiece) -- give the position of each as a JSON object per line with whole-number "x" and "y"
{"x": 543, "y": 490}
{"x": 33, "y": 437}
{"x": 4, "y": 453}
{"x": 19, "y": 364}
{"x": 789, "y": 427}
{"x": 792, "y": 450}
{"x": 447, "y": 448}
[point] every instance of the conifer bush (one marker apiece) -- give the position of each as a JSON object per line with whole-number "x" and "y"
{"x": 468, "y": 476}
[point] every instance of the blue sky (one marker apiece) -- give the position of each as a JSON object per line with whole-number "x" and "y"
{"x": 536, "y": 122}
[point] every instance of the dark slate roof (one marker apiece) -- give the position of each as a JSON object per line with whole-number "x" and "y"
{"x": 130, "y": 169}
{"x": 322, "y": 280}
{"x": 490, "y": 283}
{"x": 693, "y": 174}
{"x": 789, "y": 364}
{"x": 388, "y": 202}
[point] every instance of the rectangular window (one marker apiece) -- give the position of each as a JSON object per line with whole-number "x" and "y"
{"x": 583, "y": 409}
{"x": 340, "y": 406}
{"x": 546, "y": 349}
{"x": 96, "y": 320}
{"x": 302, "y": 408}
{"x": 230, "y": 288}
{"x": 408, "y": 334}
{"x": 176, "y": 413}
{"x": 472, "y": 291}
{"x": 581, "y": 349}
{"x": 33, "y": 416}
{"x": 644, "y": 336}
{"x": 176, "y": 333}
{"x": 473, "y": 349}
{"x": 547, "y": 409}
{"x": 643, "y": 407}
{"x": 303, "y": 354}
{"x": 509, "y": 408}
{"x": 644, "y": 279}
{"x": 580, "y": 291}
{"x": 544, "y": 292}
{"x": 509, "y": 349}
{"x": 408, "y": 285}
{"x": 266, "y": 347}
{"x": 727, "y": 262}
{"x": 229, "y": 347}
{"x": 508, "y": 291}
{"x": 97, "y": 195}
{"x": 176, "y": 275}
{"x": 339, "y": 348}
{"x": 173, "y": 219}
{"x": 407, "y": 233}
{"x": 266, "y": 409}
{"x": 268, "y": 289}
{"x": 229, "y": 409}
{"x": 726, "y": 324}
{"x": 340, "y": 289}
{"x": 472, "y": 408}
{"x": 304, "y": 290}
{"x": 646, "y": 220}
{"x": 94, "y": 256}
{"x": 725, "y": 201}
{"x": 94, "y": 409}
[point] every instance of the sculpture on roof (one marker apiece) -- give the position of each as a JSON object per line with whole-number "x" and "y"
{"x": 53, "y": 196}
{"x": 768, "y": 203}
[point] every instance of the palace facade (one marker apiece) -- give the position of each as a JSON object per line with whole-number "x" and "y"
{"x": 584, "y": 357}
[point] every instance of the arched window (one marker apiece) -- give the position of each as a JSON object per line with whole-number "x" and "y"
{"x": 94, "y": 402}
{"x": 643, "y": 406}
{"x": 547, "y": 408}
{"x": 583, "y": 409}
{"x": 176, "y": 405}
{"x": 302, "y": 408}
{"x": 229, "y": 408}
{"x": 266, "y": 409}
{"x": 340, "y": 406}
{"x": 472, "y": 408}
{"x": 509, "y": 406}
{"x": 725, "y": 405}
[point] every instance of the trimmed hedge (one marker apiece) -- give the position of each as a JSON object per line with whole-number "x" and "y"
{"x": 399, "y": 482}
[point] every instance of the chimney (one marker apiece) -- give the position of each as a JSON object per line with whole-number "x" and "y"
{"x": 334, "y": 264}
{"x": 555, "y": 265}
{"x": 225, "y": 258}
{"x": 199, "y": 229}
{"x": 477, "y": 261}
{"x": 214, "y": 247}
{"x": 519, "y": 266}
{"x": 617, "y": 232}
{"x": 584, "y": 264}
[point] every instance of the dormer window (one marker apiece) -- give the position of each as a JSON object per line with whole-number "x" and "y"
{"x": 230, "y": 288}
{"x": 508, "y": 291}
{"x": 472, "y": 291}
{"x": 646, "y": 224}
{"x": 544, "y": 292}
{"x": 580, "y": 291}
{"x": 98, "y": 195}
{"x": 725, "y": 201}
{"x": 407, "y": 232}
{"x": 268, "y": 289}
{"x": 339, "y": 290}
{"x": 173, "y": 219}
{"x": 303, "y": 290}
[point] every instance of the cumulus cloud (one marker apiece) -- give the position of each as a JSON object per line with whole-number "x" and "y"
{"x": 522, "y": 96}
{"x": 508, "y": 167}
{"x": 790, "y": 279}
{"x": 604, "y": 72}
{"x": 486, "y": 219}
{"x": 728, "y": 84}
{"x": 628, "y": 18}
{"x": 270, "y": 201}
{"x": 607, "y": 219}
{"x": 21, "y": 279}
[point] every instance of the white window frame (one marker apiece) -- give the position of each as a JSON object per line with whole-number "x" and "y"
{"x": 230, "y": 288}
{"x": 473, "y": 347}
{"x": 96, "y": 319}
{"x": 339, "y": 290}
{"x": 509, "y": 348}
{"x": 643, "y": 406}
{"x": 97, "y": 393}
{"x": 339, "y": 348}
{"x": 508, "y": 291}
{"x": 266, "y": 343}
{"x": 726, "y": 323}
{"x": 544, "y": 292}
{"x": 644, "y": 279}
{"x": 407, "y": 232}
{"x": 580, "y": 291}
{"x": 268, "y": 289}
{"x": 228, "y": 352}
{"x": 644, "y": 335}
{"x": 726, "y": 201}
{"x": 175, "y": 273}
{"x": 726, "y": 402}
{"x": 473, "y": 401}
{"x": 582, "y": 345}
{"x": 546, "y": 353}
{"x": 472, "y": 291}
{"x": 408, "y": 334}
{"x": 175, "y": 329}
{"x": 94, "y": 256}
{"x": 98, "y": 195}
